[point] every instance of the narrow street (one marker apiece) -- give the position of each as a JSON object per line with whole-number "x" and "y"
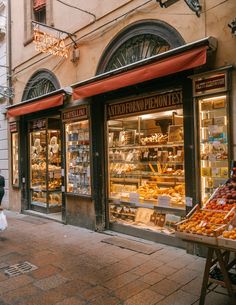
{"x": 67, "y": 265}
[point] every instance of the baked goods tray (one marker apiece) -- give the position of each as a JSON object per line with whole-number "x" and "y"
{"x": 211, "y": 240}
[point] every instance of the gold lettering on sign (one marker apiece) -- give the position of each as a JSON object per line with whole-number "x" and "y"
{"x": 161, "y": 101}
{"x": 77, "y": 113}
{"x": 47, "y": 43}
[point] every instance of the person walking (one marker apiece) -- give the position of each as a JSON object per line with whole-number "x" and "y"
{"x": 2, "y": 185}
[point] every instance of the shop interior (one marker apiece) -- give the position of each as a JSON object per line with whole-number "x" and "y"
{"x": 146, "y": 170}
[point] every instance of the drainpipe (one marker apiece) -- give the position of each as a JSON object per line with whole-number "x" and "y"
{"x": 9, "y": 50}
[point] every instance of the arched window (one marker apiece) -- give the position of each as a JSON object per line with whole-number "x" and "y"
{"x": 139, "y": 41}
{"x": 39, "y": 84}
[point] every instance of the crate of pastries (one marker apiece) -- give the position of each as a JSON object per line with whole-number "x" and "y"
{"x": 223, "y": 199}
{"x": 204, "y": 225}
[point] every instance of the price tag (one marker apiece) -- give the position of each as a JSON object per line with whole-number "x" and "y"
{"x": 163, "y": 201}
{"x": 134, "y": 197}
{"x": 212, "y": 157}
{"x": 62, "y": 172}
{"x": 172, "y": 218}
{"x": 57, "y": 175}
{"x": 221, "y": 201}
{"x": 189, "y": 201}
{"x": 116, "y": 201}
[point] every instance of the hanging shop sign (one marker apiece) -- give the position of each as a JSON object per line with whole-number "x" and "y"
{"x": 47, "y": 43}
{"x": 163, "y": 101}
{"x": 13, "y": 126}
{"x": 210, "y": 84}
{"x": 78, "y": 113}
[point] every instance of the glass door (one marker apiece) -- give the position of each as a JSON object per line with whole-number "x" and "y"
{"x": 45, "y": 166}
{"x": 213, "y": 143}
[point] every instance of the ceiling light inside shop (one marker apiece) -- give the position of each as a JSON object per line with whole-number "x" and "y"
{"x": 214, "y": 98}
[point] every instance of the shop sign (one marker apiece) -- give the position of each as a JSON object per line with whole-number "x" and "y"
{"x": 163, "y": 101}
{"x": 79, "y": 113}
{"x": 211, "y": 84}
{"x": 38, "y": 124}
{"x": 13, "y": 127}
{"x": 47, "y": 43}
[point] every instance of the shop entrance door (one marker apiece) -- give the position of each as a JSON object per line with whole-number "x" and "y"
{"x": 45, "y": 166}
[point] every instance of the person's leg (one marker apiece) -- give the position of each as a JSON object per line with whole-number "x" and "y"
{"x": 1, "y": 196}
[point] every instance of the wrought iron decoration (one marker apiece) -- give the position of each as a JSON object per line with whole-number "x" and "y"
{"x": 194, "y": 5}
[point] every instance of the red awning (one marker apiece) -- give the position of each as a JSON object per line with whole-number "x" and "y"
{"x": 34, "y": 106}
{"x": 170, "y": 65}
{"x": 39, "y": 4}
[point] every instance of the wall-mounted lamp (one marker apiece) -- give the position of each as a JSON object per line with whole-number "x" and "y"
{"x": 232, "y": 25}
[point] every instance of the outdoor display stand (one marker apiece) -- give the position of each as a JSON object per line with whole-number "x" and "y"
{"x": 214, "y": 227}
{"x": 225, "y": 258}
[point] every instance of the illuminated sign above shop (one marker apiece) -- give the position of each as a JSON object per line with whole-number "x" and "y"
{"x": 47, "y": 43}
{"x": 210, "y": 84}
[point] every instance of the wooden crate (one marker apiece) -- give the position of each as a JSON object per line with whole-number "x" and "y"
{"x": 226, "y": 242}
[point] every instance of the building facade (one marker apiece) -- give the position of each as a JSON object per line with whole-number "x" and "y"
{"x": 4, "y": 96}
{"x": 122, "y": 114}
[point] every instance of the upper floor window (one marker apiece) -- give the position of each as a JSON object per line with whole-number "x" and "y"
{"x": 39, "y": 10}
{"x": 140, "y": 40}
{"x": 36, "y": 10}
{"x": 42, "y": 82}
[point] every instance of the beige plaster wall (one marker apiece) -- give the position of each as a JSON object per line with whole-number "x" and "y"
{"x": 92, "y": 46}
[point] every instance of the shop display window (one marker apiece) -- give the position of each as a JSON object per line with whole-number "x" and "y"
{"x": 45, "y": 168}
{"x": 15, "y": 160}
{"x": 146, "y": 170}
{"x": 78, "y": 158}
{"x": 213, "y": 144}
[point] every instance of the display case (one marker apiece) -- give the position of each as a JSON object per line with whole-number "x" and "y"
{"x": 45, "y": 166}
{"x": 213, "y": 138}
{"x": 78, "y": 158}
{"x": 15, "y": 158}
{"x": 146, "y": 169}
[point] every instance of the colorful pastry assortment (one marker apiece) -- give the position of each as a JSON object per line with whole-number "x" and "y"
{"x": 151, "y": 191}
{"x": 157, "y": 138}
{"x": 230, "y": 234}
{"x": 210, "y": 223}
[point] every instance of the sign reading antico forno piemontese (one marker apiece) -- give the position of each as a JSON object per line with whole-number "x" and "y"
{"x": 210, "y": 84}
{"x": 78, "y": 113}
{"x": 167, "y": 100}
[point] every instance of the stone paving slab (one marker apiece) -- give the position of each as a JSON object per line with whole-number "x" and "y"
{"x": 131, "y": 245}
{"x": 75, "y": 267}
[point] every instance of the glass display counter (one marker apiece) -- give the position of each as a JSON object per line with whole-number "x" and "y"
{"x": 78, "y": 158}
{"x": 146, "y": 170}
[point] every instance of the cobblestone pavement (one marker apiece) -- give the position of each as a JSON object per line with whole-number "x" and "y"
{"x": 74, "y": 267}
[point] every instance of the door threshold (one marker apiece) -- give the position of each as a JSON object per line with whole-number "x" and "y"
{"x": 53, "y": 216}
